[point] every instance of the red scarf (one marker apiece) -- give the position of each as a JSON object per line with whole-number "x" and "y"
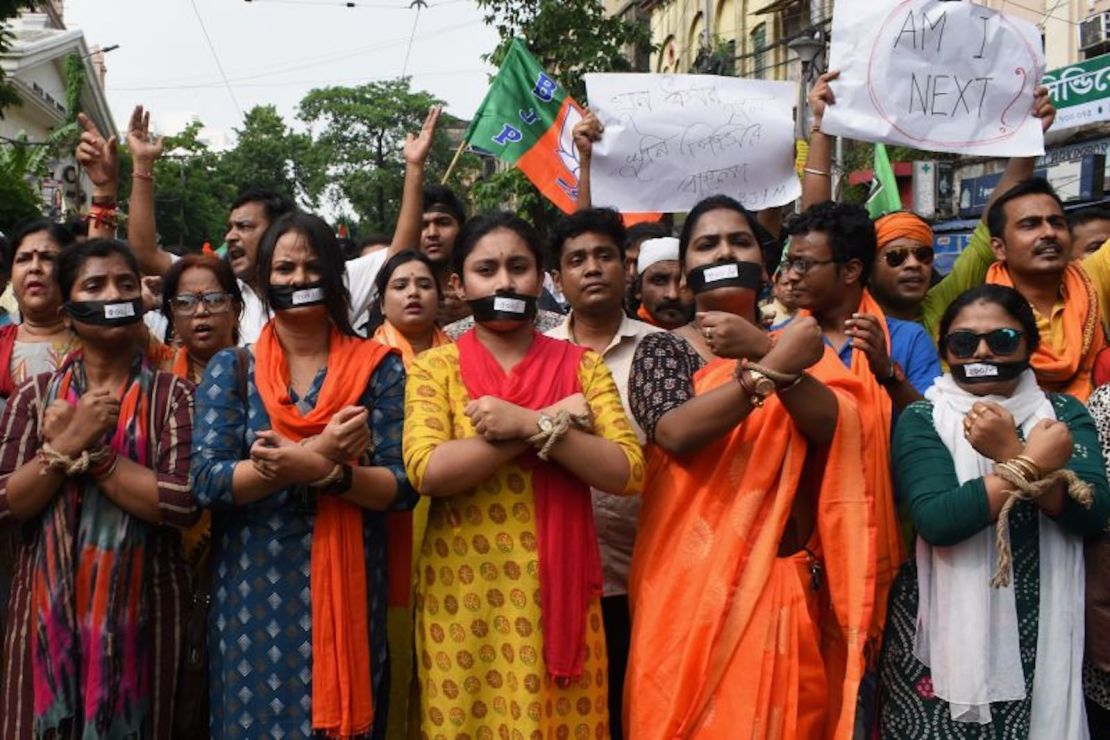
{"x": 7, "y": 344}
{"x": 570, "y": 564}
{"x": 342, "y": 694}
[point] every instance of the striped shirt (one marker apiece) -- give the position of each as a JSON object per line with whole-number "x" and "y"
{"x": 171, "y": 425}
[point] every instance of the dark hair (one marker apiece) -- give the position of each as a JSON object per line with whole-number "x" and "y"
{"x": 996, "y": 214}
{"x": 477, "y": 227}
{"x": 58, "y": 233}
{"x": 72, "y": 259}
{"x": 77, "y": 226}
{"x": 274, "y": 204}
{"x": 443, "y": 199}
{"x": 1008, "y": 299}
{"x": 604, "y": 221}
{"x": 849, "y": 229}
{"x": 1087, "y": 215}
{"x": 381, "y": 282}
{"x": 644, "y": 230}
{"x": 218, "y": 267}
{"x": 719, "y": 202}
{"x": 322, "y": 240}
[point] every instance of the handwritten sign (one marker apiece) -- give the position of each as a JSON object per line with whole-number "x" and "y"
{"x": 935, "y": 75}
{"x": 672, "y": 140}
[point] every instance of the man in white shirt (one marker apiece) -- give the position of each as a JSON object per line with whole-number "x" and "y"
{"x": 588, "y": 248}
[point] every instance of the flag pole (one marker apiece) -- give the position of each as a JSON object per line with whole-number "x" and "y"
{"x": 454, "y": 161}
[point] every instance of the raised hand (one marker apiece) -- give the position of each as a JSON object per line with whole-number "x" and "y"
{"x": 867, "y": 336}
{"x": 144, "y": 150}
{"x": 1043, "y": 108}
{"x": 822, "y": 96}
{"x": 99, "y": 157}
{"x": 586, "y": 133}
{"x": 419, "y": 146}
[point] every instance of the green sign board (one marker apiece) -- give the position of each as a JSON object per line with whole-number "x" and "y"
{"x": 1080, "y": 92}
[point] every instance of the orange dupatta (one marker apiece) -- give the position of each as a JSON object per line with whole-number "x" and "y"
{"x": 705, "y": 581}
{"x": 643, "y": 315}
{"x": 399, "y": 533}
{"x": 342, "y": 694}
{"x": 1070, "y": 370}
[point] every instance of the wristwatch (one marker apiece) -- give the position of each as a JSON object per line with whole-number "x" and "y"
{"x": 896, "y": 377}
{"x": 545, "y": 423}
{"x": 757, "y": 385}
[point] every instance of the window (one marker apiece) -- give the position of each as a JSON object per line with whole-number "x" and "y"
{"x": 759, "y": 52}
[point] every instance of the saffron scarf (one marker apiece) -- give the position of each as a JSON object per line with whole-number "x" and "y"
{"x": 342, "y": 693}
{"x": 876, "y": 415}
{"x": 643, "y": 315}
{"x": 399, "y": 533}
{"x": 91, "y": 658}
{"x": 1069, "y": 369}
{"x": 569, "y": 561}
{"x": 717, "y": 641}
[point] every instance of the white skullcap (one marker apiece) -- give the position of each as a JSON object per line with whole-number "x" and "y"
{"x": 656, "y": 250}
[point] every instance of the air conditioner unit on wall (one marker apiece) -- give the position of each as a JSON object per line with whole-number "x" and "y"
{"x": 1094, "y": 31}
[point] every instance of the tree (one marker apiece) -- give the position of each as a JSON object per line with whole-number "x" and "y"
{"x": 192, "y": 195}
{"x": 568, "y": 37}
{"x": 20, "y": 163}
{"x": 267, "y": 154}
{"x": 9, "y": 9}
{"x": 356, "y": 157}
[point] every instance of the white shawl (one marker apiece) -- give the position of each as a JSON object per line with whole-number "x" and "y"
{"x": 967, "y": 631}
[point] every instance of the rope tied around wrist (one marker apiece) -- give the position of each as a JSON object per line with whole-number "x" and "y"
{"x": 561, "y": 424}
{"x": 71, "y": 466}
{"x": 1027, "y": 488}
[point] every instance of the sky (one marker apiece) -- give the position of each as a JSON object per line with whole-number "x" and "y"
{"x": 275, "y": 51}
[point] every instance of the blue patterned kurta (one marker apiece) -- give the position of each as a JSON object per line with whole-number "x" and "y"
{"x": 260, "y": 625}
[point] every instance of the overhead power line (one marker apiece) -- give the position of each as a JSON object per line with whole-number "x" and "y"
{"x": 216, "y": 57}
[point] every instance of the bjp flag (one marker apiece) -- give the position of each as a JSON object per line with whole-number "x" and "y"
{"x": 526, "y": 120}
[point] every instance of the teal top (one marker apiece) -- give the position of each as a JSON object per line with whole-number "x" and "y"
{"x": 944, "y": 512}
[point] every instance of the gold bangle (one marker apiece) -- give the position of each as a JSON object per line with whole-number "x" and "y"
{"x": 820, "y": 173}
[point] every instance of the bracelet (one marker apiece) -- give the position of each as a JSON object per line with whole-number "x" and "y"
{"x": 106, "y": 469}
{"x": 782, "y": 380}
{"x": 334, "y": 476}
{"x": 148, "y": 176}
{"x": 783, "y": 389}
{"x": 104, "y": 201}
{"x": 820, "y": 173}
{"x": 102, "y": 216}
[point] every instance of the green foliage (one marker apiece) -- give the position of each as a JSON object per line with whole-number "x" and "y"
{"x": 8, "y": 9}
{"x": 192, "y": 192}
{"x": 267, "y": 154}
{"x": 21, "y": 163}
{"x": 356, "y": 155}
{"x": 568, "y": 37}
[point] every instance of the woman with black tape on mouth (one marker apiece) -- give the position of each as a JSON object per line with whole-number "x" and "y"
{"x": 985, "y": 640}
{"x": 95, "y": 467}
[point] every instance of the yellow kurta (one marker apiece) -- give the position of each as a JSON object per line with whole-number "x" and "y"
{"x": 479, "y": 642}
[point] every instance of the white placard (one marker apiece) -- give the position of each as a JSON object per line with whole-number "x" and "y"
{"x": 935, "y": 75}
{"x": 672, "y": 140}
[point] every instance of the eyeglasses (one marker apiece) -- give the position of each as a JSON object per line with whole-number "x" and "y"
{"x": 895, "y": 257}
{"x": 801, "y": 265}
{"x": 187, "y": 303}
{"x": 962, "y": 344}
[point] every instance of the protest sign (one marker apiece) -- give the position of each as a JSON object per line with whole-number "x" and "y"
{"x": 671, "y": 140}
{"x": 935, "y": 75}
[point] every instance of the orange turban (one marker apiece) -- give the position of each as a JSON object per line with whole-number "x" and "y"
{"x": 902, "y": 224}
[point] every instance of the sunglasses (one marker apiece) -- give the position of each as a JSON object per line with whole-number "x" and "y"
{"x": 187, "y": 303}
{"x": 895, "y": 257}
{"x": 962, "y": 344}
